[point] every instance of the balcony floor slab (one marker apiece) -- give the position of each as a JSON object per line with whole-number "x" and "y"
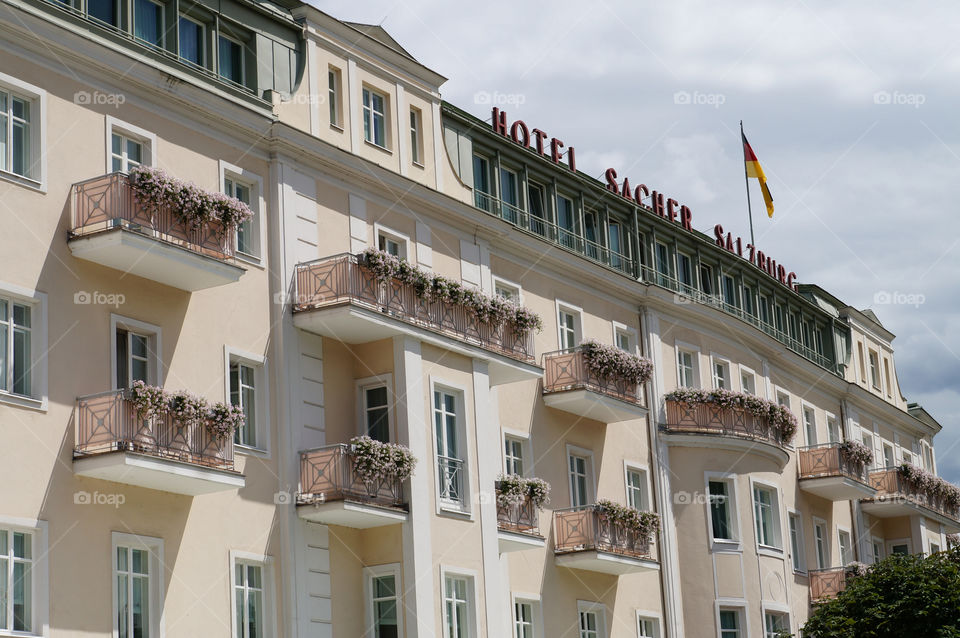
{"x": 836, "y": 488}
{"x": 511, "y": 541}
{"x": 594, "y": 405}
{"x": 745, "y": 446}
{"x": 606, "y": 562}
{"x": 351, "y": 514}
{"x": 166, "y": 475}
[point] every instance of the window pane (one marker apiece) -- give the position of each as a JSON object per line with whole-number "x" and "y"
{"x": 191, "y": 41}
{"x": 148, "y": 21}
{"x": 103, "y": 10}
{"x": 21, "y": 147}
{"x": 231, "y": 60}
{"x": 719, "y": 512}
{"x": 21, "y": 360}
{"x": 3, "y": 359}
{"x": 21, "y": 596}
{"x": 123, "y": 609}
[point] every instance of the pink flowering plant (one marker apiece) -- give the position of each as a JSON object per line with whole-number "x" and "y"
{"x": 148, "y": 400}
{"x": 610, "y": 362}
{"x": 643, "y": 524}
{"x": 490, "y": 310}
{"x": 855, "y": 569}
{"x": 513, "y": 490}
{"x": 780, "y": 418}
{"x": 375, "y": 461}
{"x": 930, "y": 485}
{"x": 223, "y": 418}
{"x": 856, "y": 452}
{"x": 193, "y": 206}
{"x": 187, "y": 409}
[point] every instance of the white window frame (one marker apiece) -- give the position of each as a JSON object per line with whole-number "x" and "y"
{"x": 464, "y": 426}
{"x": 843, "y": 559}
{"x": 393, "y": 235}
{"x": 38, "y": 132}
{"x": 335, "y": 94}
{"x": 39, "y": 572}
{"x": 694, "y": 353}
{"x": 873, "y": 369}
{"x": 577, "y": 312}
{"x": 140, "y": 327}
{"x": 777, "y": 506}
{"x": 145, "y": 137}
{"x": 718, "y": 360}
{"x": 774, "y": 609}
{"x": 737, "y": 605}
{"x": 471, "y": 577}
{"x": 536, "y": 610}
{"x": 827, "y": 558}
{"x": 243, "y": 56}
{"x": 720, "y": 544}
{"x": 38, "y": 399}
{"x": 258, "y": 229}
{"x": 261, "y": 391}
{"x": 385, "y": 114}
{"x": 204, "y": 40}
{"x": 574, "y": 450}
{"x": 593, "y": 607}
{"x": 267, "y": 580}
{"x": 417, "y": 150}
{"x": 375, "y": 571}
{"x": 649, "y": 616}
{"x": 163, "y": 25}
{"x": 154, "y": 547}
{"x": 376, "y": 381}
{"x": 779, "y": 392}
{"x": 525, "y": 449}
{"x": 888, "y": 546}
{"x": 620, "y": 329}
{"x": 832, "y": 418}
{"x": 745, "y": 371}
{"x": 876, "y": 541}
{"x": 804, "y": 407}
{"x": 801, "y": 554}
{"x": 506, "y": 283}
{"x": 643, "y": 469}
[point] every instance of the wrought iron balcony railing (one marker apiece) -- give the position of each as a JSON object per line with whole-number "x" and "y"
{"x": 568, "y": 370}
{"x": 523, "y": 517}
{"x": 827, "y": 583}
{"x": 450, "y": 475}
{"x": 585, "y": 528}
{"x": 342, "y": 279}
{"x": 328, "y": 474}
{"x": 108, "y": 202}
{"x": 108, "y": 422}
{"x": 707, "y": 418}
{"x": 891, "y": 486}
{"x": 826, "y": 460}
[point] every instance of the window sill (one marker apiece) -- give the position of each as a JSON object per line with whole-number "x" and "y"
{"x": 20, "y": 180}
{"x": 336, "y": 127}
{"x": 253, "y": 260}
{"x": 454, "y": 511}
{"x": 378, "y": 147}
{"x": 419, "y": 165}
{"x": 725, "y": 546}
{"x": 251, "y": 451}
{"x": 801, "y": 573}
{"x": 20, "y": 401}
{"x": 766, "y": 550}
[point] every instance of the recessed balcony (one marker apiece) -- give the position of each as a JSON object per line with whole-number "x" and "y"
{"x": 518, "y": 526}
{"x": 827, "y": 583}
{"x": 825, "y": 471}
{"x": 332, "y": 491}
{"x": 114, "y": 444}
{"x": 707, "y": 425}
{"x": 586, "y": 539}
{"x": 570, "y": 385}
{"x": 896, "y": 496}
{"x": 112, "y": 228}
{"x": 337, "y": 297}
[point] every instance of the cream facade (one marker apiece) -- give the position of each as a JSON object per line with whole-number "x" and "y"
{"x": 339, "y": 141}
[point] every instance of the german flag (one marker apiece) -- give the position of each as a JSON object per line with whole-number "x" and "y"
{"x": 754, "y": 170}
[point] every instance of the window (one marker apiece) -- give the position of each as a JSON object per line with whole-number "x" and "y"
{"x": 107, "y": 11}
{"x": 591, "y": 232}
{"x": 376, "y": 412}
{"x": 579, "y": 467}
{"x": 456, "y": 607}
{"x": 243, "y": 393}
{"x": 730, "y": 623}
{"x": 684, "y": 271}
{"x": 874, "y": 371}
{"x": 247, "y": 235}
{"x": 416, "y": 138}
{"x": 248, "y": 592}
{"x": 888, "y": 458}
{"x": 569, "y": 327}
{"x": 16, "y": 357}
{"x": 934, "y": 548}
{"x": 706, "y": 279}
{"x": 17, "y": 559}
{"x": 383, "y": 601}
{"x": 591, "y": 617}
{"x": 126, "y": 153}
{"x": 810, "y": 425}
{"x": 482, "y": 186}
{"x": 449, "y": 463}
{"x": 685, "y": 369}
{"x": 846, "y": 549}
{"x": 523, "y": 622}
{"x": 333, "y": 96}
{"x": 748, "y": 293}
{"x": 148, "y": 22}
{"x": 860, "y": 360}
{"x": 766, "y": 511}
{"x": 535, "y": 197}
{"x": 722, "y": 510}
{"x": 506, "y": 290}
{"x": 231, "y": 60}
{"x": 730, "y": 296}
{"x": 833, "y": 429}
{"x": 907, "y": 457}
{"x": 663, "y": 264}
{"x": 623, "y": 337}
{"x": 138, "y": 585}
{"x": 877, "y": 550}
{"x": 617, "y": 247}
{"x": 886, "y": 377}
{"x": 135, "y": 355}
{"x": 513, "y": 455}
{"x": 763, "y": 305}
{"x": 820, "y": 540}
{"x": 566, "y": 221}
{"x": 509, "y": 195}
{"x": 867, "y": 439}
{"x": 796, "y": 541}
{"x": 783, "y": 399}
{"x": 18, "y": 146}
{"x": 192, "y": 41}
{"x": 721, "y": 375}
{"x": 391, "y": 242}
{"x": 636, "y": 484}
{"x": 648, "y": 627}
{"x": 774, "y": 624}
{"x": 899, "y": 549}
{"x": 374, "y": 117}
{"x": 748, "y": 382}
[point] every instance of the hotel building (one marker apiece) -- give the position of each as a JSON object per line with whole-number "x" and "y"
{"x": 116, "y": 523}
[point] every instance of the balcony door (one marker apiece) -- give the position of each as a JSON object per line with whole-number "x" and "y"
{"x": 449, "y": 462}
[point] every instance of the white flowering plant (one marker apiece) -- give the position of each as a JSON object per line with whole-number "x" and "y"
{"x": 376, "y": 461}
{"x": 856, "y": 452}
{"x": 644, "y": 524}
{"x": 187, "y": 409}
{"x": 148, "y": 400}
{"x": 223, "y": 418}
{"x": 513, "y": 489}
{"x": 611, "y": 362}
{"x": 779, "y": 417}
{"x": 931, "y": 485}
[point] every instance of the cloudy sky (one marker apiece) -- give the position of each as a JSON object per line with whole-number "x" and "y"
{"x": 847, "y": 105}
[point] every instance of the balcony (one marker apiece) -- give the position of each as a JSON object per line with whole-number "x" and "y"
{"x": 827, "y": 583}
{"x": 332, "y": 493}
{"x": 585, "y": 539}
{"x": 825, "y": 472}
{"x": 113, "y": 444}
{"x": 109, "y": 227}
{"x": 709, "y": 426}
{"x": 571, "y": 386}
{"x": 338, "y": 298}
{"x": 898, "y": 497}
{"x": 518, "y": 526}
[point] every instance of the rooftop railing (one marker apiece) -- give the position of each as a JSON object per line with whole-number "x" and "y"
{"x": 568, "y": 370}
{"x": 826, "y": 459}
{"x": 328, "y": 474}
{"x": 586, "y": 528}
{"x": 108, "y": 422}
{"x": 109, "y": 202}
{"x": 341, "y": 279}
{"x": 707, "y": 418}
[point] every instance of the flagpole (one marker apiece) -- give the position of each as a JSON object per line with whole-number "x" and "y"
{"x": 746, "y": 181}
